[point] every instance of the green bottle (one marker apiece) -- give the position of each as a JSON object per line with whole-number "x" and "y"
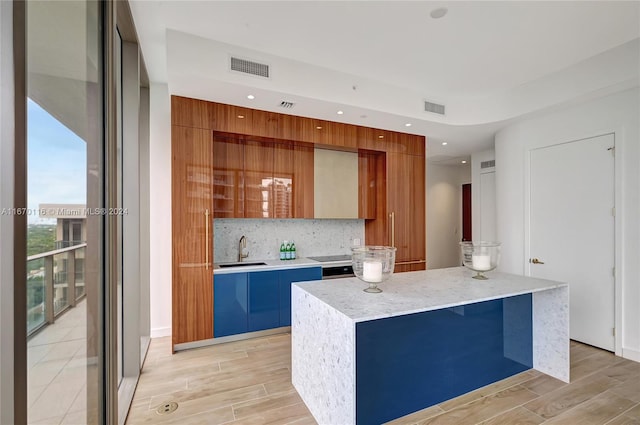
{"x": 287, "y": 251}
{"x": 293, "y": 250}
{"x": 283, "y": 251}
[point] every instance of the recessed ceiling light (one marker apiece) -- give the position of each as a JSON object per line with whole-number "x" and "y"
{"x": 463, "y": 161}
{"x": 408, "y": 124}
{"x": 381, "y": 137}
{"x": 340, "y": 112}
{"x": 240, "y": 116}
{"x": 444, "y": 143}
{"x": 439, "y": 12}
{"x": 318, "y": 128}
{"x": 251, "y": 97}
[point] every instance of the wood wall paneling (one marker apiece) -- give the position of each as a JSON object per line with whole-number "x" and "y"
{"x": 192, "y": 234}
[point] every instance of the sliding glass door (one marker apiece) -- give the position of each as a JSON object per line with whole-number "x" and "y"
{"x": 65, "y": 154}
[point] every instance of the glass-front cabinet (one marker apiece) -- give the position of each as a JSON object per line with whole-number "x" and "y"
{"x": 261, "y": 178}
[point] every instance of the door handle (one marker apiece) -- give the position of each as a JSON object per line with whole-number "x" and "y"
{"x": 206, "y": 239}
{"x": 535, "y": 261}
{"x": 392, "y": 216}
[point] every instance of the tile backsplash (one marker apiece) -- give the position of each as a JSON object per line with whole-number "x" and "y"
{"x": 312, "y": 237}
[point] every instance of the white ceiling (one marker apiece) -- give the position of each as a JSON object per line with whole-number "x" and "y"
{"x": 489, "y": 62}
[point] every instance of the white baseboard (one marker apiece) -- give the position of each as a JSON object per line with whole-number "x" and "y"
{"x": 160, "y": 332}
{"x": 630, "y": 354}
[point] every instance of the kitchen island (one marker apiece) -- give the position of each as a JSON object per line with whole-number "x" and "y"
{"x": 429, "y": 336}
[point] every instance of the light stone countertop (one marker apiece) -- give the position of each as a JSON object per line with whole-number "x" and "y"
{"x": 298, "y": 263}
{"x": 415, "y": 292}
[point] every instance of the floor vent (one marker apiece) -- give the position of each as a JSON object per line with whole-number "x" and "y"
{"x": 286, "y": 105}
{"x": 249, "y": 67}
{"x": 433, "y": 107}
{"x": 488, "y": 164}
{"x": 166, "y": 408}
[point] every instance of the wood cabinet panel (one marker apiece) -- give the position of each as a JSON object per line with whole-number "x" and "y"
{"x": 416, "y": 145}
{"x": 189, "y": 112}
{"x": 292, "y": 127}
{"x": 258, "y": 179}
{"x": 231, "y": 119}
{"x": 369, "y": 139}
{"x": 406, "y": 201}
{"x": 417, "y": 213}
{"x": 284, "y": 180}
{"x": 403, "y": 222}
{"x": 192, "y": 234}
{"x": 228, "y": 177}
{"x": 266, "y": 124}
{"x": 410, "y": 267}
{"x": 371, "y": 184}
{"x": 303, "y": 159}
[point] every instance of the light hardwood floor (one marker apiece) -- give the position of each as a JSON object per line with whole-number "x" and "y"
{"x": 249, "y": 382}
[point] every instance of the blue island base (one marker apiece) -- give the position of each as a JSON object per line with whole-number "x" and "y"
{"x": 410, "y": 362}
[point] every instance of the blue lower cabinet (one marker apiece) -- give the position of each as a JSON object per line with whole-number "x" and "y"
{"x": 287, "y": 277}
{"x": 255, "y": 301}
{"x": 229, "y": 304}
{"x": 264, "y": 301}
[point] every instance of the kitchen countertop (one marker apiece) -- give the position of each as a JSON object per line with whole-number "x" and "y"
{"x": 298, "y": 263}
{"x": 415, "y": 292}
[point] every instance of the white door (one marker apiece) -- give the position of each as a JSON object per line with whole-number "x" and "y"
{"x": 572, "y": 231}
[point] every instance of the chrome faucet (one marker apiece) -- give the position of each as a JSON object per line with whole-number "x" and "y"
{"x": 242, "y": 248}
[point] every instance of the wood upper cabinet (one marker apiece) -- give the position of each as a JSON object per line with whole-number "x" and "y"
{"x": 187, "y": 112}
{"x": 303, "y": 159}
{"x": 192, "y": 234}
{"x": 258, "y": 179}
{"x": 370, "y": 139}
{"x": 371, "y": 184}
{"x": 228, "y": 177}
{"x": 261, "y": 178}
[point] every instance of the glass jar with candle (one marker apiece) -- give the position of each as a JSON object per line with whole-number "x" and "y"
{"x": 373, "y": 264}
{"x": 480, "y": 257}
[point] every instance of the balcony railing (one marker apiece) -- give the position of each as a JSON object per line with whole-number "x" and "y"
{"x": 66, "y": 244}
{"x": 55, "y": 282}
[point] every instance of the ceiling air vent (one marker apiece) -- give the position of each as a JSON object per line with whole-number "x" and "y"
{"x": 433, "y": 107}
{"x": 488, "y": 164}
{"x": 286, "y": 105}
{"x": 248, "y": 67}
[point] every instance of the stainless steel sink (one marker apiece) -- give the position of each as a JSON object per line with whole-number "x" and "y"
{"x": 223, "y": 266}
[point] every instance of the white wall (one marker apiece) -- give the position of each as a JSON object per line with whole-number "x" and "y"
{"x": 482, "y": 230}
{"x": 444, "y": 213}
{"x": 618, "y": 113}
{"x": 160, "y": 209}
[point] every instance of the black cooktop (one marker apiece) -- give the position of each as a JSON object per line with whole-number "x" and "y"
{"x": 329, "y": 258}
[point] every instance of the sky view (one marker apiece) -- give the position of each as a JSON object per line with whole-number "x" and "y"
{"x": 56, "y": 163}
